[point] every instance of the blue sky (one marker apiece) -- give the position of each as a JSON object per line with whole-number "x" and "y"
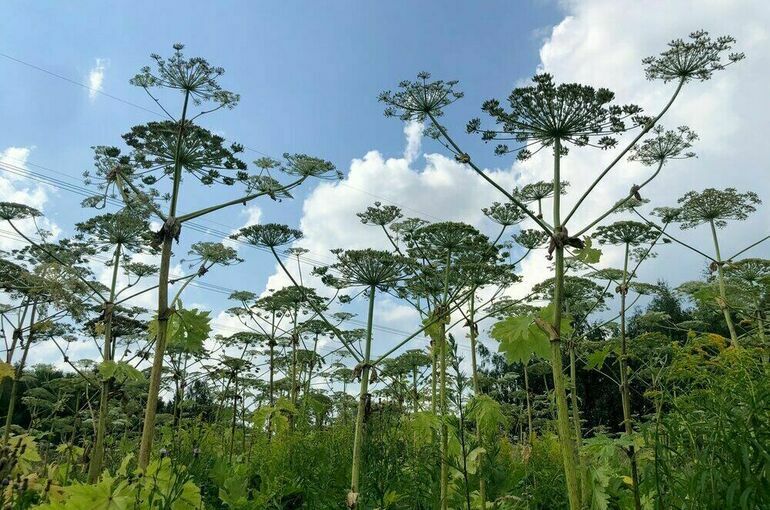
{"x": 308, "y": 73}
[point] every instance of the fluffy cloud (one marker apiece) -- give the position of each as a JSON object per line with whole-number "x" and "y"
{"x": 96, "y": 77}
{"x": 435, "y": 188}
{"x": 15, "y": 186}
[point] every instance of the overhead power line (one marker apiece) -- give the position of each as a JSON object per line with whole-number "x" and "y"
{"x": 101, "y": 92}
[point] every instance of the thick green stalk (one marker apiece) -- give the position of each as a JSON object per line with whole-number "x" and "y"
{"x": 761, "y": 328}
{"x": 344, "y": 402}
{"x": 272, "y": 372}
{"x": 415, "y": 393}
{"x": 444, "y": 480}
{"x": 294, "y": 345}
{"x": 444, "y": 427}
{"x": 358, "y": 439}
{"x": 529, "y": 406}
{"x": 309, "y": 380}
{"x": 573, "y": 395}
{"x": 17, "y": 375}
{"x": 433, "y": 382}
{"x": 235, "y": 416}
{"x": 473, "y": 336}
{"x": 625, "y": 391}
{"x": 568, "y": 449}
{"x": 576, "y": 424}
{"x": 240, "y": 200}
{"x": 16, "y": 333}
{"x": 722, "y": 292}
{"x": 476, "y": 391}
{"x": 151, "y": 408}
{"x": 97, "y": 456}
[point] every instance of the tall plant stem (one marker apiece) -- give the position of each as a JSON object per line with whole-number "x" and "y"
{"x": 344, "y": 402}
{"x": 444, "y": 480}
{"x": 722, "y": 292}
{"x": 16, "y": 335}
{"x": 573, "y": 394}
{"x": 576, "y": 424}
{"x": 363, "y": 395}
{"x": 17, "y": 375}
{"x": 97, "y": 457}
{"x": 433, "y": 379}
{"x": 476, "y": 390}
{"x": 444, "y": 428}
{"x": 761, "y": 328}
{"x": 473, "y": 336}
{"x": 235, "y": 416}
{"x": 625, "y": 391}
{"x": 272, "y": 372}
{"x": 568, "y": 449}
{"x": 308, "y": 382}
{"x": 294, "y": 345}
{"x": 148, "y": 427}
{"x": 530, "y": 430}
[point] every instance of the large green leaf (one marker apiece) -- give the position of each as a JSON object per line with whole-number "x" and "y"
{"x": 588, "y": 254}
{"x": 596, "y": 359}
{"x": 487, "y": 413}
{"x": 120, "y": 371}
{"x": 108, "y": 494}
{"x": 187, "y": 330}
{"x": 520, "y": 338}
{"x": 6, "y": 370}
{"x": 424, "y": 424}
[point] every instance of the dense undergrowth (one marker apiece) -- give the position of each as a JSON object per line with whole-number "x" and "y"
{"x": 703, "y": 445}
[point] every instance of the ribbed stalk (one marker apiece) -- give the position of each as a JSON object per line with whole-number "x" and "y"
{"x": 625, "y": 391}
{"x": 444, "y": 429}
{"x": 17, "y": 375}
{"x": 530, "y": 430}
{"x": 151, "y": 408}
{"x": 569, "y": 454}
{"x": 477, "y": 391}
{"x": 362, "y": 397}
{"x": 444, "y": 480}
{"x": 97, "y": 457}
{"x": 722, "y": 292}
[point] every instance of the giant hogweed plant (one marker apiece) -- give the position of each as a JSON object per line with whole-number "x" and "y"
{"x": 122, "y": 235}
{"x": 477, "y": 262}
{"x": 715, "y": 208}
{"x": 374, "y": 270}
{"x": 57, "y": 278}
{"x": 435, "y": 249}
{"x": 557, "y": 117}
{"x": 628, "y": 234}
{"x": 161, "y": 155}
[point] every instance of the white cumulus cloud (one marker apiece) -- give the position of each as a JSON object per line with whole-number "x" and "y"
{"x": 96, "y": 77}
